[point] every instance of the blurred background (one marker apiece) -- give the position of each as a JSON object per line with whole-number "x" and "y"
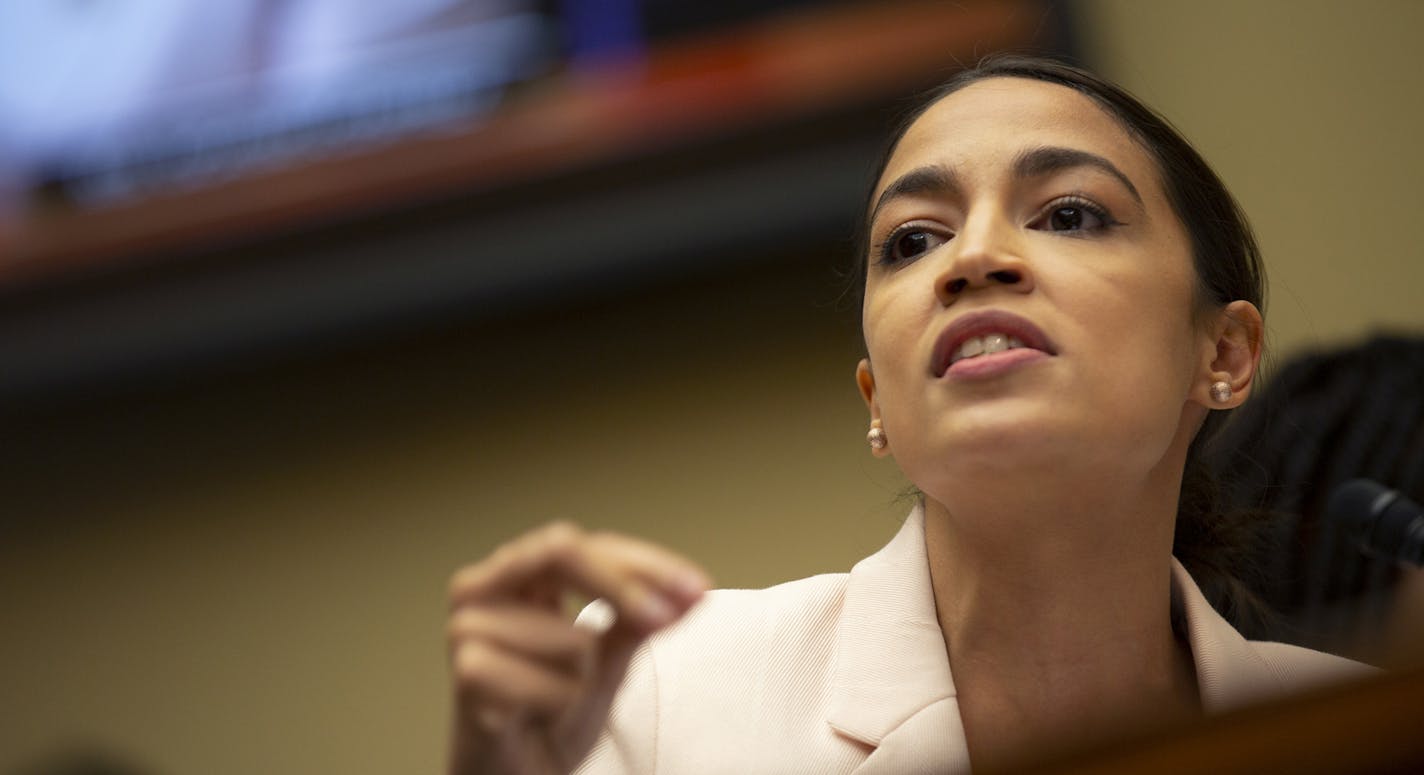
{"x": 305, "y": 303}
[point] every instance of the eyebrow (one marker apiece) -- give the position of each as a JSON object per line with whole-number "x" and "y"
{"x": 1032, "y": 163}
{"x": 1037, "y": 162}
{"x": 932, "y": 179}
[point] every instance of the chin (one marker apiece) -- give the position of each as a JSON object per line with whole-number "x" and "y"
{"x": 1010, "y": 430}
{"x": 1016, "y": 451}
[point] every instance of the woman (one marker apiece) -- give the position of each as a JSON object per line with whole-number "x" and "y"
{"x": 1059, "y": 296}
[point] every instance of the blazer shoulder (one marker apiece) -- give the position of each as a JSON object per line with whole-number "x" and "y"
{"x": 793, "y": 595}
{"x": 812, "y": 603}
{"x": 725, "y": 612}
{"x": 1303, "y": 668}
{"x": 752, "y": 660}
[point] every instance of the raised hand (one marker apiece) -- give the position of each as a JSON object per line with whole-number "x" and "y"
{"x": 532, "y": 690}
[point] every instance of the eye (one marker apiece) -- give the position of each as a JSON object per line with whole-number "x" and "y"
{"x": 907, "y": 243}
{"x": 1074, "y": 214}
{"x": 1072, "y": 219}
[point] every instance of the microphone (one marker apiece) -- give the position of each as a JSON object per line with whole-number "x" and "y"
{"x": 1380, "y": 520}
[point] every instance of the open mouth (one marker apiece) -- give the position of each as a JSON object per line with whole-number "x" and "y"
{"x": 987, "y": 344}
{"x": 979, "y": 334}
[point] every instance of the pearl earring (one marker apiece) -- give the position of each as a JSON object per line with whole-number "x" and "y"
{"x": 1221, "y": 392}
{"x": 876, "y": 436}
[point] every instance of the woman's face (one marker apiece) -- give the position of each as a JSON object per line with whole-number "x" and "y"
{"x": 1018, "y": 214}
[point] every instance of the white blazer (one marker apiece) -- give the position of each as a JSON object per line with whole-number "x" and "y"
{"x": 847, "y": 673}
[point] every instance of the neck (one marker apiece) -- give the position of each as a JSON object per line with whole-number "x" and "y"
{"x": 1055, "y": 609}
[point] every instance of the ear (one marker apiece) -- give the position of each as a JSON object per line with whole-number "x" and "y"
{"x": 1236, "y": 333}
{"x": 865, "y": 380}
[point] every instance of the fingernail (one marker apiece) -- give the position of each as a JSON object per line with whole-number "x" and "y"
{"x": 691, "y": 585}
{"x": 655, "y": 611}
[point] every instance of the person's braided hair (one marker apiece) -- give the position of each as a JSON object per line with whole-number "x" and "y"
{"x": 1325, "y": 418}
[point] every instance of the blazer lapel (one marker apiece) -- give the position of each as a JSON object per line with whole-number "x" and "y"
{"x": 891, "y": 688}
{"x": 1230, "y": 674}
{"x": 930, "y": 741}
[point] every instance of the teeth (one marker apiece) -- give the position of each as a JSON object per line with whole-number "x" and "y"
{"x": 986, "y": 344}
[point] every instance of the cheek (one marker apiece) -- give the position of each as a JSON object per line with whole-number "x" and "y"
{"x": 1155, "y": 348}
{"x": 1172, "y": 309}
{"x": 892, "y": 327}
{"x": 1131, "y": 311}
{"x": 879, "y": 323}
{"x": 889, "y": 365}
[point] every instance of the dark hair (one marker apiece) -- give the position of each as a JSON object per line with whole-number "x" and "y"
{"x": 1228, "y": 267}
{"x": 1325, "y": 418}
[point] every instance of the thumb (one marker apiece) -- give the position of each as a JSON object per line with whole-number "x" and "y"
{"x": 616, "y": 650}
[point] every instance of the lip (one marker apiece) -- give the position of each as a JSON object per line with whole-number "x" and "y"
{"x": 986, "y": 322}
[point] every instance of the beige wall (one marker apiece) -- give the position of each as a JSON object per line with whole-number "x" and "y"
{"x": 248, "y": 577}
{"x": 1310, "y": 111}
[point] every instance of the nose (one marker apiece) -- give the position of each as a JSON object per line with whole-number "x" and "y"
{"x": 984, "y": 254}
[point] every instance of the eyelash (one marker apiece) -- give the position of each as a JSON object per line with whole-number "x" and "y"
{"x": 885, "y": 248}
{"x": 1079, "y": 202}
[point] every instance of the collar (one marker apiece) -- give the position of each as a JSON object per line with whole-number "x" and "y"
{"x": 1230, "y": 673}
{"x": 890, "y": 663}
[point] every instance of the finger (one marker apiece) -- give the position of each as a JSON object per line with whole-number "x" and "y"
{"x": 492, "y": 679}
{"x": 677, "y": 577}
{"x": 535, "y": 633}
{"x": 616, "y": 650}
{"x": 516, "y": 567}
{"x": 633, "y": 576}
